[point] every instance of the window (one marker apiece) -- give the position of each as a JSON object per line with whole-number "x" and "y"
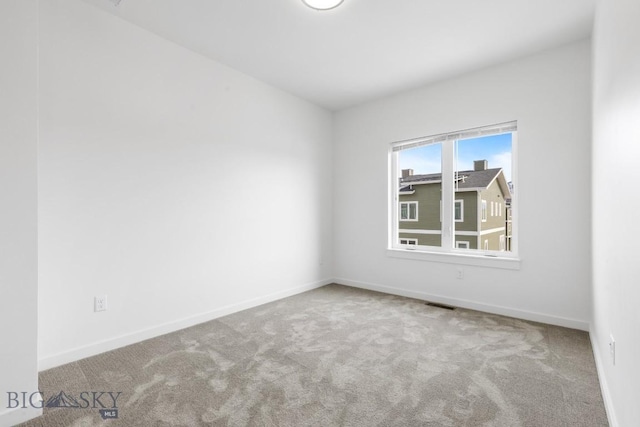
{"x": 484, "y": 211}
{"x": 458, "y": 211}
{"x": 409, "y": 211}
{"x": 441, "y": 186}
{"x": 408, "y": 241}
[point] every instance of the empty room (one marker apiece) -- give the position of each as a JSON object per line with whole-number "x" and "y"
{"x": 319, "y": 213}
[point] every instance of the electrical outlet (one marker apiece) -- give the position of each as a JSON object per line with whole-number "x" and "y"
{"x": 612, "y": 349}
{"x": 459, "y": 273}
{"x": 100, "y": 303}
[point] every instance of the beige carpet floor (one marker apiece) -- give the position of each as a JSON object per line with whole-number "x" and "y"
{"x": 338, "y": 356}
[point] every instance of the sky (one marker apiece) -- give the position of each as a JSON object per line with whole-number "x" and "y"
{"x": 496, "y": 149}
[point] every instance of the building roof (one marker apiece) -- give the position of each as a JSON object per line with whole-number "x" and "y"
{"x": 466, "y": 179}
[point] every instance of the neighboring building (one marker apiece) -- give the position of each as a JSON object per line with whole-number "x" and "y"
{"x": 482, "y": 209}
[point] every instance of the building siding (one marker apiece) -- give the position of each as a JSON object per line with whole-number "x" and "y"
{"x": 424, "y": 239}
{"x": 470, "y": 215}
{"x": 429, "y": 196}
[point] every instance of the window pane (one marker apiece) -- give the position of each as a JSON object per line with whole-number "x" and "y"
{"x": 420, "y": 184}
{"x": 412, "y": 211}
{"x": 483, "y": 181}
{"x": 458, "y": 210}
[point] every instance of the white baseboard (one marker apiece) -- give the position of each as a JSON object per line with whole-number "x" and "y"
{"x": 12, "y": 417}
{"x": 604, "y": 387}
{"x": 92, "y": 349}
{"x": 134, "y": 337}
{"x": 494, "y": 309}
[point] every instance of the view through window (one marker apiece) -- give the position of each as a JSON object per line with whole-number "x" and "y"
{"x": 455, "y": 192}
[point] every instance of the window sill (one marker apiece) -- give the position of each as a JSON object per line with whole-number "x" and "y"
{"x": 457, "y": 258}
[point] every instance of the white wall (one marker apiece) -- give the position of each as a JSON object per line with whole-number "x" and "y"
{"x": 18, "y": 205}
{"x": 549, "y": 95}
{"x": 175, "y": 185}
{"x": 616, "y": 203}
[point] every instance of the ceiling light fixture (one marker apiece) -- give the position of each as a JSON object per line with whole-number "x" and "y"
{"x": 322, "y": 4}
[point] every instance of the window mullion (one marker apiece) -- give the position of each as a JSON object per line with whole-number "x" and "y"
{"x": 447, "y": 194}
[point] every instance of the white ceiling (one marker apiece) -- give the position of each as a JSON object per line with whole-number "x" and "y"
{"x": 364, "y": 49}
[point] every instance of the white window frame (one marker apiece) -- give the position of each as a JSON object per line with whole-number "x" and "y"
{"x": 461, "y": 201}
{"x": 492, "y": 209}
{"x": 486, "y": 244}
{"x": 448, "y": 251}
{"x": 408, "y": 211}
{"x": 502, "y": 242}
{"x": 483, "y": 211}
{"x": 462, "y": 244}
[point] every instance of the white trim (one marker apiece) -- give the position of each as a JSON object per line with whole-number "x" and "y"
{"x": 419, "y": 231}
{"x": 15, "y": 416}
{"x": 409, "y": 202}
{"x": 482, "y": 233}
{"x": 393, "y": 197}
{"x": 497, "y": 175}
{"x": 486, "y": 244}
{"x": 478, "y": 217}
{"x": 406, "y": 193}
{"x": 461, "y": 210}
{"x": 483, "y": 210}
{"x": 472, "y": 305}
{"x": 134, "y": 337}
{"x": 467, "y": 233}
{"x": 503, "y": 242}
{"x": 604, "y": 385}
{"x": 478, "y": 258}
{"x": 492, "y": 208}
{"x": 491, "y": 231}
{"x": 515, "y": 205}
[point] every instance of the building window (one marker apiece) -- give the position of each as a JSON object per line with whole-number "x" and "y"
{"x": 409, "y": 211}
{"x": 408, "y": 241}
{"x": 502, "y": 246}
{"x": 458, "y": 211}
{"x": 436, "y": 179}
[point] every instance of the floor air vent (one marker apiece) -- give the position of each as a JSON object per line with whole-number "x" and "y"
{"x": 435, "y": 304}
